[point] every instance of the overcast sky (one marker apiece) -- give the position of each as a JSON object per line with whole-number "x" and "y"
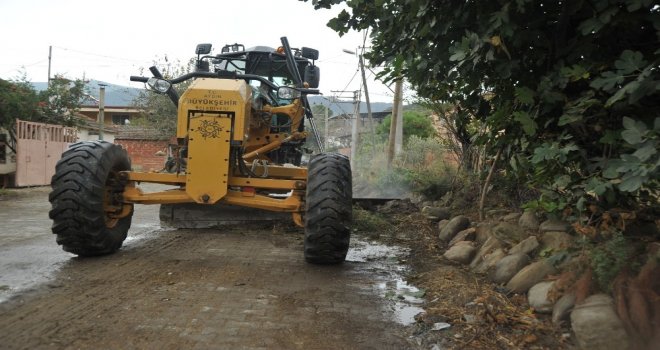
{"x": 112, "y": 40}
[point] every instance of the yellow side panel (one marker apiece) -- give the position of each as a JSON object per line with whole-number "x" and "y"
{"x": 218, "y": 95}
{"x": 208, "y": 156}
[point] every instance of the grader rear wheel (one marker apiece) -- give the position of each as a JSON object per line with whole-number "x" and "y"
{"x": 88, "y": 215}
{"x": 328, "y": 211}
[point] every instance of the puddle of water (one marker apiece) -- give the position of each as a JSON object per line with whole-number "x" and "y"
{"x": 23, "y": 267}
{"x": 364, "y": 252}
{"x": 405, "y": 299}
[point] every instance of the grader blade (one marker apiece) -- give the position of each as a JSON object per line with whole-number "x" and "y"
{"x": 191, "y": 215}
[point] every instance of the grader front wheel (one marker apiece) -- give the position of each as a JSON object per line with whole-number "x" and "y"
{"x": 328, "y": 211}
{"x": 88, "y": 215}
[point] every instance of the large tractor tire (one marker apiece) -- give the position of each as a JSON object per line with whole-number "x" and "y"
{"x": 86, "y": 199}
{"x": 328, "y": 210}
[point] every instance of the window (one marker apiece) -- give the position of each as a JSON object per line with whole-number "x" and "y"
{"x": 120, "y": 119}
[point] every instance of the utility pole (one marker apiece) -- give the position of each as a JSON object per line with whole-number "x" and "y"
{"x": 354, "y": 128}
{"x": 325, "y": 131}
{"x": 366, "y": 98}
{"x": 50, "y": 54}
{"x": 396, "y": 106}
{"x": 398, "y": 138}
{"x": 101, "y": 118}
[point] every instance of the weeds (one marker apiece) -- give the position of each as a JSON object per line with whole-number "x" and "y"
{"x": 367, "y": 221}
{"x": 420, "y": 168}
{"x": 610, "y": 258}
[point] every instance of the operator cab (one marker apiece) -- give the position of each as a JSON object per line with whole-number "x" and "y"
{"x": 265, "y": 62}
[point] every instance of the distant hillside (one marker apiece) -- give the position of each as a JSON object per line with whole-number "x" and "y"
{"x": 347, "y": 107}
{"x": 115, "y": 95}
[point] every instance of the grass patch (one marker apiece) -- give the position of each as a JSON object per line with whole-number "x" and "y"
{"x": 368, "y": 221}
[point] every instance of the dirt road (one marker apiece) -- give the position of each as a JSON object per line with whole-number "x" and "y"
{"x": 238, "y": 288}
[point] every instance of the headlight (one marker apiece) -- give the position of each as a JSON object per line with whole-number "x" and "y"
{"x": 159, "y": 85}
{"x": 287, "y": 93}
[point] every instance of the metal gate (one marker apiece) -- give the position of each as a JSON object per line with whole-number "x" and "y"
{"x": 38, "y": 148}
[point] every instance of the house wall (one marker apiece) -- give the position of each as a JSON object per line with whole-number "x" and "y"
{"x": 146, "y": 155}
{"x": 112, "y": 115}
{"x": 85, "y": 134}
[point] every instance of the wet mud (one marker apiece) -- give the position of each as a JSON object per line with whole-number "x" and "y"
{"x": 240, "y": 287}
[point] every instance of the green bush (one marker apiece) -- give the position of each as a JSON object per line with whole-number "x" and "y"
{"x": 420, "y": 168}
{"x": 414, "y": 124}
{"x": 609, "y": 258}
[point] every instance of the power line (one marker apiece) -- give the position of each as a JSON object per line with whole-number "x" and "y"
{"x": 350, "y": 81}
{"x": 99, "y": 55}
{"x": 25, "y": 66}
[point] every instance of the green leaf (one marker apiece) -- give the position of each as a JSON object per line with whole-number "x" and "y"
{"x": 634, "y": 132}
{"x": 457, "y": 56}
{"x": 629, "y": 62}
{"x": 627, "y": 89}
{"x": 596, "y": 186}
{"x": 528, "y": 124}
{"x": 634, "y": 5}
{"x": 575, "y": 72}
{"x": 628, "y": 123}
{"x": 543, "y": 153}
{"x": 632, "y": 136}
{"x": 590, "y": 25}
{"x": 524, "y": 95}
{"x": 568, "y": 119}
{"x": 610, "y": 172}
{"x": 632, "y": 183}
{"x": 609, "y": 138}
{"x": 607, "y": 81}
{"x": 562, "y": 182}
{"x": 646, "y": 151}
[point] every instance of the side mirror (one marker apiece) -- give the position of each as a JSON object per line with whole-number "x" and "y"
{"x": 158, "y": 85}
{"x": 202, "y": 66}
{"x": 288, "y": 93}
{"x": 313, "y": 76}
{"x": 310, "y": 53}
{"x": 203, "y": 49}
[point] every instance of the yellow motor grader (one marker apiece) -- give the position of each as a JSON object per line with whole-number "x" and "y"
{"x": 240, "y": 137}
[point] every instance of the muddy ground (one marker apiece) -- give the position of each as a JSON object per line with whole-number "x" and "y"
{"x": 236, "y": 288}
{"x": 249, "y": 288}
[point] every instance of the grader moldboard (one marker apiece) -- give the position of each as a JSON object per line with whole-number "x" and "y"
{"x": 240, "y": 136}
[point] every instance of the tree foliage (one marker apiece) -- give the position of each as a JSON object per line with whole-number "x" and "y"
{"x": 414, "y": 124}
{"x": 319, "y": 111}
{"x": 569, "y": 91}
{"x": 58, "y": 104}
{"x": 18, "y": 99}
{"x": 157, "y": 110}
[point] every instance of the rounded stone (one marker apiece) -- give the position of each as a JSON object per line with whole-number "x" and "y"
{"x": 554, "y": 225}
{"x": 529, "y": 276}
{"x": 538, "y": 297}
{"x": 529, "y": 221}
{"x": 508, "y": 267}
{"x": 597, "y": 326}
{"x": 454, "y": 226}
{"x": 462, "y": 252}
